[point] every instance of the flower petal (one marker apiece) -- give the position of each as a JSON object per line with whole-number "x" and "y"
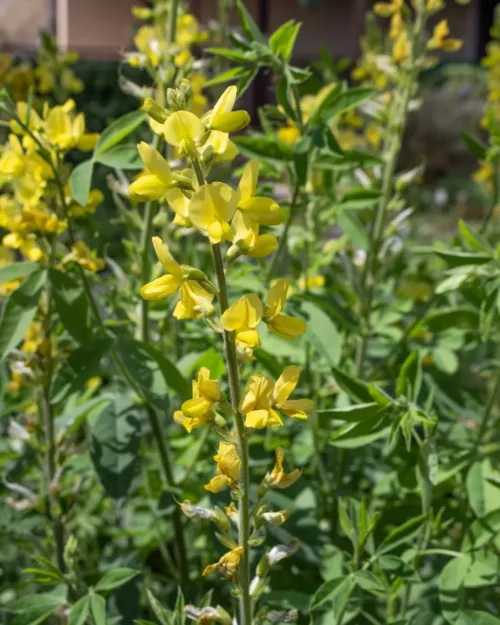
{"x": 276, "y": 297}
{"x": 287, "y": 327}
{"x": 248, "y": 182}
{"x": 285, "y": 385}
{"x": 297, "y": 408}
{"x": 165, "y": 257}
{"x": 181, "y": 126}
{"x": 265, "y": 245}
{"x": 246, "y": 313}
{"x": 230, "y": 122}
{"x": 147, "y": 188}
{"x": 263, "y": 210}
{"x": 155, "y": 162}
{"x": 161, "y": 287}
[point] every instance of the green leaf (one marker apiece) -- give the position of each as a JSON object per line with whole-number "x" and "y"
{"x": 115, "y": 577}
{"x": 82, "y": 364}
{"x": 402, "y": 534}
{"x": 245, "y": 81}
{"x": 348, "y": 100}
{"x": 14, "y": 271}
{"x": 283, "y": 39}
{"x": 476, "y": 617}
{"x": 326, "y": 592}
{"x": 173, "y": 377}
{"x": 35, "y": 609}
{"x": 121, "y": 157}
{"x": 231, "y": 75}
{"x": 482, "y": 531}
{"x": 114, "y": 447}
{"x": 323, "y": 333}
{"x": 264, "y": 148}
{"x": 164, "y": 616}
{"x": 301, "y": 158}
{"x": 118, "y": 130}
{"x": 473, "y": 238}
{"x": 446, "y": 318}
{"x": 476, "y": 147}
{"x": 248, "y": 24}
{"x": 356, "y": 389}
{"x": 71, "y": 306}
{"x": 459, "y": 259}
{"x": 143, "y": 364}
{"x": 179, "y": 615}
{"x": 231, "y": 55}
{"x": 351, "y": 226}
{"x": 353, "y": 414}
{"x": 451, "y": 582}
{"x": 410, "y": 378}
{"x": 284, "y": 97}
{"x": 445, "y": 359}
{"x": 81, "y": 180}
{"x": 98, "y": 609}
{"x": 484, "y": 496}
{"x": 427, "y": 471}
{"x": 320, "y": 113}
{"x": 19, "y": 311}
{"x": 79, "y": 611}
{"x": 354, "y": 435}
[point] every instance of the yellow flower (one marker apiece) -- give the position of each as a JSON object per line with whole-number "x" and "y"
{"x": 263, "y": 398}
{"x": 95, "y": 198}
{"x": 247, "y": 240}
{"x": 227, "y": 565}
{"x": 397, "y": 26}
{"x": 197, "y": 411}
{"x": 224, "y": 150}
{"x": 284, "y": 325}
{"x": 194, "y": 299}
{"x": 262, "y": 210}
{"x": 88, "y": 259}
{"x": 34, "y": 341}
{"x": 284, "y": 387}
{"x": 228, "y": 468}
{"x": 256, "y": 404}
{"x": 387, "y": 9}
{"x": 211, "y": 209}
{"x": 288, "y": 135}
{"x": 242, "y": 318}
{"x": 184, "y": 130}
{"x": 278, "y": 478}
{"x": 312, "y": 282}
{"x": 155, "y": 184}
{"x": 65, "y": 131}
{"x": 438, "y": 40}
{"x": 402, "y": 48}
{"x": 178, "y": 200}
{"x": 222, "y": 117}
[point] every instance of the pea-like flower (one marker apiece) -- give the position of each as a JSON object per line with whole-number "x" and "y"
{"x": 284, "y": 325}
{"x": 211, "y": 210}
{"x": 263, "y": 398}
{"x": 222, "y": 117}
{"x": 197, "y": 411}
{"x": 65, "y": 132}
{"x": 184, "y": 130}
{"x": 155, "y": 184}
{"x": 242, "y": 318}
{"x": 262, "y": 210}
{"x": 227, "y": 565}
{"x": 195, "y": 300}
{"x": 247, "y": 240}
{"x": 439, "y": 40}
{"x": 228, "y": 468}
{"x": 278, "y": 478}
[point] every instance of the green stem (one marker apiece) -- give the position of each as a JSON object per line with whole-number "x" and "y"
{"x": 234, "y": 387}
{"x": 284, "y": 236}
{"x": 397, "y": 125}
{"x": 495, "y": 199}
{"x": 153, "y": 419}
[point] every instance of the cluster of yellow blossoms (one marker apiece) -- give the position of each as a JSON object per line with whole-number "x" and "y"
{"x": 230, "y": 217}
{"x": 27, "y": 180}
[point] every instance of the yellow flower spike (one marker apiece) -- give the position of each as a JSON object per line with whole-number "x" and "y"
{"x": 154, "y": 185}
{"x": 402, "y": 48}
{"x": 197, "y": 411}
{"x": 262, "y": 210}
{"x": 222, "y": 117}
{"x": 228, "y": 468}
{"x": 256, "y": 404}
{"x": 227, "y": 565}
{"x": 387, "y": 9}
{"x": 284, "y": 387}
{"x": 88, "y": 259}
{"x": 397, "y": 26}
{"x": 183, "y": 130}
{"x": 211, "y": 209}
{"x": 247, "y": 240}
{"x": 284, "y": 325}
{"x": 278, "y": 478}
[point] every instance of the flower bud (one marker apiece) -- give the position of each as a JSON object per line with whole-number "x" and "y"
{"x": 263, "y": 566}
{"x": 224, "y": 618}
{"x": 154, "y": 110}
{"x": 283, "y": 616}
{"x": 186, "y": 93}
{"x": 221, "y": 519}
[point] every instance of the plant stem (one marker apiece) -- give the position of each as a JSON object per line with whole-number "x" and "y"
{"x": 244, "y": 482}
{"x": 397, "y": 125}
{"x": 495, "y": 199}
{"x": 234, "y": 387}
{"x": 284, "y": 236}
{"x": 153, "y": 419}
